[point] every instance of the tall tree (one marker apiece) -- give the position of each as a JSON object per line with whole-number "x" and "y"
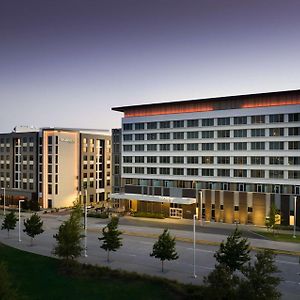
{"x": 69, "y": 236}
{"x": 111, "y": 237}
{"x": 260, "y": 282}
{"x": 234, "y": 253}
{"x": 33, "y": 226}
{"x": 9, "y": 222}
{"x": 164, "y": 248}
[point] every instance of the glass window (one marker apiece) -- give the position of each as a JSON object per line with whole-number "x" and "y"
{"x": 127, "y": 137}
{"x": 294, "y": 174}
{"x": 276, "y": 160}
{"x": 223, "y": 133}
{"x": 276, "y": 118}
{"x": 240, "y": 120}
{"x": 178, "y": 124}
{"x": 164, "y": 171}
{"x": 127, "y": 148}
{"x": 207, "y": 122}
{"x": 294, "y": 145}
{"x": 257, "y": 119}
{"x": 294, "y": 131}
{"x": 151, "y": 170}
{"x": 193, "y": 135}
{"x": 240, "y": 173}
{"x": 223, "y": 172}
{"x": 257, "y": 173}
{"x": 178, "y": 135}
{"x": 207, "y": 159}
{"x": 192, "y": 172}
{"x": 207, "y": 134}
{"x": 192, "y": 159}
{"x": 257, "y": 146}
{"x": 127, "y": 169}
{"x": 240, "y": 133}
{"x": 127, "y": 159}
{"x": 178, "y": 171}
{"x": 139, "y": 159}
{"x": 164, "y": 136}
{"x": 152, "y": 125}
{"x": 151, "y": 159}
{"x": 164, "y": 124}
{"x": 139, "y": 126}
{"x": 164, "y": 147}
{"x": 207, "y": 172}
{"x": 192, "y": 147}
{"x": 240, "y": 160}
{"x": 152, "y": 136}
{"x": 295, "y": 160}
{"x": 257, "y": 160}
{"x": 152, "y": 147}
{"x": 224, "y": 121}
{"x": 192, "y": 123}
{"x": 164, "y": 159}
{"x": 139, "y": 170}
{"x": 240, "y": 146}
{"x": 208, "y": 147}
{"x": 224, "y": 146}
{"x": 257, "y": 132}
{"x": 276, "y": 132}
{"x": 223, "y": 160}
{"x": 276, "y": 145}
{"x": 178, "y": 147}
{"x": 276, "y": 174}
{"x": 178, "y": 160}
{"x": 294, "y": 117}
{"x": 139, "y": 137}
{"x": 139, "y": 147}
{"x": 127, "y": 127}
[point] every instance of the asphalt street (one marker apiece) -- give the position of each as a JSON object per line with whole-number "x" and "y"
{"x": 134, "y": 256}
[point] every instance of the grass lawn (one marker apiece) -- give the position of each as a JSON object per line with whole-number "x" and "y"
{"x": 38, "y": 277}
{"x": 280, "y": 237}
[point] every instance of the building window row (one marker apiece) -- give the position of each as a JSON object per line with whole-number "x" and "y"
{"x": 225, "y": 121}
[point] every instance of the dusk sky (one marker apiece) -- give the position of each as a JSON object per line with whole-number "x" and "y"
{"x": 66, "y": 63}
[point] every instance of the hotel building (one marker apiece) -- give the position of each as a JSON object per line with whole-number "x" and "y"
{"x": 52, "y": 167}
{"x": 234, "y": 155}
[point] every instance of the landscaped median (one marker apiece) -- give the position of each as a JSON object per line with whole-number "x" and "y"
{"x": 279, "y": 237}
{"x": 40, "y": 277}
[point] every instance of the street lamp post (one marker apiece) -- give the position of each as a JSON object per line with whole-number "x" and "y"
{"x": 3, "y": 200}
{"x": 194, "y": 227}
{"x": 201, "y": 201}
{"x": 295, "y": 212}
{"x": 85, "y": 224}
{"x": 20, "y": 219}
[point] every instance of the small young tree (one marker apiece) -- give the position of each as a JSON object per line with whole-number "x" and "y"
{"x": 33, "y": 226}
{"x": 273, "y": 218}
{"x": 111, "y": 237}
{"x": 260, "y": 283}
{"x": 164, "y": 248}
{"x": 9, "y": 222}
{"x": 69, "y": 236}
{"x": 234, "y": 253}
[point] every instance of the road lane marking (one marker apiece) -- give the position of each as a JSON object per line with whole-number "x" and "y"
{"x": 286, "y": 262}
{"x": 201, "y": 250}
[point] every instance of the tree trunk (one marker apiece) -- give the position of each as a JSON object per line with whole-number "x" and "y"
{"x": 162, "y": 266}
{"x": 107, "y": 256}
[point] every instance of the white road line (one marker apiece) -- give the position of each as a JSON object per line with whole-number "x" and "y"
{"x": 201, "y": 250}
{"x": 293, "y": 282}
{"x": 286, "y": 262}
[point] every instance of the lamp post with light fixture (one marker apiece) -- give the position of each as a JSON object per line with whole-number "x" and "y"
{"x": 194, "y": 261}
{"x": 3, "y": 200}
{"x": 20, "y": 201}
{"x": 295, "y": 212}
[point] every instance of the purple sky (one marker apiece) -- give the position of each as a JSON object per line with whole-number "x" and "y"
{"x": 66, "y": 63}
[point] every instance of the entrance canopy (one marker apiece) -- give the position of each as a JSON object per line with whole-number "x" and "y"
{"x": 152, "y": 198}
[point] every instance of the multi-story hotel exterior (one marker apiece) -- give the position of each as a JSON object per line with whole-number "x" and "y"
{"x": 52, "y": 167}
{"x": 235, "y": 155}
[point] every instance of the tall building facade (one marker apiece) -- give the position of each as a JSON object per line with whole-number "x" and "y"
{"x": 228, "y": 158}
{"x": 53, "y": 167}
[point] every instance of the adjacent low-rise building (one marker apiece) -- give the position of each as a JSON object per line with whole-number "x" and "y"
{"x": 53, "y": 167}
{"x": 226, "y": 158}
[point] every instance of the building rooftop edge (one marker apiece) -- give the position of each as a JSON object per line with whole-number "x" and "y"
{"x": 232, "y": 97}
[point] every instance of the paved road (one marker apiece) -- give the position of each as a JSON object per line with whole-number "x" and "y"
{"x": 134, "y": 256}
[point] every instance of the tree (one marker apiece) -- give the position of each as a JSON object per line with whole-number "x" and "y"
{"x": 260, "y": 283}
{"x": 164, "y": 248}
{"x": 234, "y": 253}
{"x": 33, "y": 226}
{"x": 9, "y": 222}
{"x": 111, "y": 236}
{"x": 69, "y": 236}
{"x": 220, "y": 284}
{"x": 273, "y": 218}
{"x": 7, "y": 291}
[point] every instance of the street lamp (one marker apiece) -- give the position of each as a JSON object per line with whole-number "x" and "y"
{"x": 3, "y": 200}
{"x": 295, "y": 212}
{"x": 20, "y": 219}
{"x": 201, "y": 201}
{"x": 194, "y": 227}
{"x": 85, "y": 224}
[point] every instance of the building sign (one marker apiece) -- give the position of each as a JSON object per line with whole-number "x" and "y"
{"x": 67, "y": 140}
